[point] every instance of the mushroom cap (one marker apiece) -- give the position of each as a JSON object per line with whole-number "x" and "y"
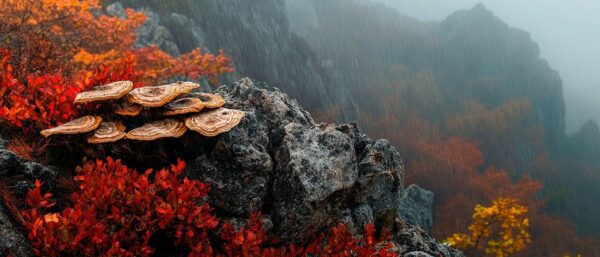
{"x": 158, "y": 129}
{"x": 187, "y": 86}
{"x": 125, "y": 108}
{"x": 110, "y": 91}
{"x": 77, "y": 126}
{"x": 210, "y": 100}
{"x": 183, "y": 106}
{"x": 215, "y": 121}
{"x": 160, "y": 95}
{"x": 107, "y": 132}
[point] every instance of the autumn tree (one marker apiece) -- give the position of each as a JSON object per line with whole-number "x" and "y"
{"x": 53, "y": 49}
{"x": 497, "y": 230}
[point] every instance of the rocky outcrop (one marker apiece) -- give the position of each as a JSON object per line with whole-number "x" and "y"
{"x": 302, "y": 176}
{"x": 585, "y": 143}
{"x": 20, "y": 174}
{"x": 416, "y": 207}
{"x": 412, "y": 241}
{"x": 17, "y": 175}
{"x": 12, "y": 240}
{"x": 149, "y": 33}
{"x": 305, "y": 176}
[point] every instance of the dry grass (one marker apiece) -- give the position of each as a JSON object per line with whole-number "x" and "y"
{"x": 34, "y": 151}
{"x": 7, "y": 200}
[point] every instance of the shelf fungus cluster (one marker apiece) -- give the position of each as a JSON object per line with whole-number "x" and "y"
{"x": 178, "y": 110}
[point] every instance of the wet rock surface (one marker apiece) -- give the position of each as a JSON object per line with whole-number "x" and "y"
{"x": 19, "y": 174}
{"x": 307, "y": 176}
{"x": 302, "y": 176}
{"x": 416, "y": 207}
{"x": 411, "y": 240}
{"x": 12, "y": 239}
{"x": 16, "y": 176}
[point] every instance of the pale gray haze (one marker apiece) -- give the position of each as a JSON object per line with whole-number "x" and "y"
{"x": 568, "y": 34}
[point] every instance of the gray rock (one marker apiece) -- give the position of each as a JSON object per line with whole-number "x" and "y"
{"x": 304, "y": 176}
{"x": 19, "y": 175}
{"x": 12, "y": 239}
{"x": 316, "y": 167}
{"x": 116, "y": 9}
{"x": 409, "y": 238}
{"x": 363, "y": 215}
{"x": 416, "y": 207}
{"x": 417, "y": 254}
{"x": 23, "y": 173}
{"x": 152, "y": 33}
{"x": 240, "y": 167}
{"x": 187, "y": 35}
{"x": 381, "y": 175}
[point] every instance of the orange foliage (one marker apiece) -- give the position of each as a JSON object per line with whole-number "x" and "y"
{"x": 66, "y": 27}
{"x": 156, "y": 66}
{"x": 445, "y": 156}
{"x": 54, "y": 49}
{"x": 41, "y": 100}
{"x": 499, "y": 230}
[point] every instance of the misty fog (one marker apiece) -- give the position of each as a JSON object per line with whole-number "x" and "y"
{"x": 437, "y": 126}
{"x": 567, "y": 32}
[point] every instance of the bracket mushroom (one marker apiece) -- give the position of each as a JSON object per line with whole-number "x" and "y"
{"x": 159, "y": 95}
{"x": 81, "y": 125}
{"x": 110, "y": 91}
{"x": 215, "y": 121}
{"x": 186, "y": 87}
{"x": 183, "y": 106}
{"x": 125, "y": 108}
{"x": 158, "y": 129}
{"x": 209, "y": 100}
{"x": 107, "y": 132}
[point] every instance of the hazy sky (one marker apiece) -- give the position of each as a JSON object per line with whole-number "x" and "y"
{"x": 567, "y": 31}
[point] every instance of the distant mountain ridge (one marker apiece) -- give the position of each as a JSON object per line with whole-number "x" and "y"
{"x": 341, "y": 56}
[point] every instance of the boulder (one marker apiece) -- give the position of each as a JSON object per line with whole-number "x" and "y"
{"x": 12, "y": 240}
{"x": 19, "y": 175}
{"x": 416, "y": 207}
{"x": 411, "y": 240}
{"x": 316, "y": 168}
{"x": 306, "y": 176}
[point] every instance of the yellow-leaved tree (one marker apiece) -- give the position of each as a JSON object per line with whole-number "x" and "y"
{"x": 497, "y": 230}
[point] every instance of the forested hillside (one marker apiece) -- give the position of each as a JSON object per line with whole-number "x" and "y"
{"x": 465, "y": 107}
{"x": 466, "y": 100}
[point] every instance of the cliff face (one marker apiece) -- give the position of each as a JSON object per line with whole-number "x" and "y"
{"x": 585, "y": 144}
{"x": 256, "y": 35}
{"x": 470, "y": 56}
{"x": 303, "y": 176}
{"x": 472, "y": 75}
{"x": 478, "y": 45}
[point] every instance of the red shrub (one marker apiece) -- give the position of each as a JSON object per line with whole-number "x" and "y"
{"x": 249, "y": 242}
{"x": 116, "y": 212}
{"x": 46, "y": 100}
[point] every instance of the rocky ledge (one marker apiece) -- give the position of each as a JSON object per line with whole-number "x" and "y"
{"x": 302, "y": 176}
